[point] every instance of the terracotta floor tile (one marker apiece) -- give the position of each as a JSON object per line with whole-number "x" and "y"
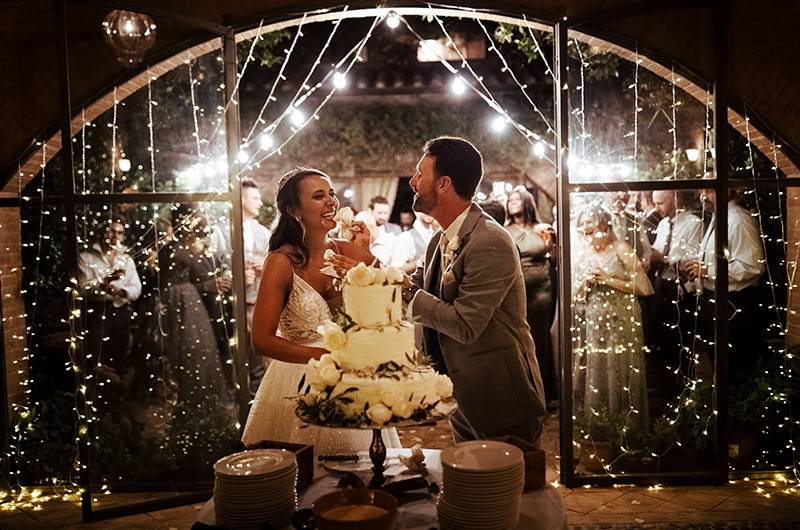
{"x": 692, "y": 501}
{"x": 631, "y": 502}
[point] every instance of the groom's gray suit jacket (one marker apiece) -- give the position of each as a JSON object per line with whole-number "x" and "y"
{"x": 483, "y": 335}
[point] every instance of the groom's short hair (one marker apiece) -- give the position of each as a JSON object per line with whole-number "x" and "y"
{"x": 458, "y": 159}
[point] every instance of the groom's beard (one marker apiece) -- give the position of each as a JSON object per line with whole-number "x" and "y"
{"x": 425, "y": 203}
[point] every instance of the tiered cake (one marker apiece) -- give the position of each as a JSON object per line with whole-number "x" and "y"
{"x": 373, "y": 375}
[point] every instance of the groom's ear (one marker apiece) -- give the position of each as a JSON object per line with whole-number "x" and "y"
{"x": 444, "y": 182}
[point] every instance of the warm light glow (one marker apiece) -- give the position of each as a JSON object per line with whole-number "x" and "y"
{"x": 393, "y": 20}
{"x": 693, "y": 155}
{"x": 499, "y": 124}
{"x": 265, "y": 142}
{"x": 243, "y": 156}
{"x": 297, "y": 117}
{"x": 458, "y": 86}
{"x": 538, "y": 149}
{"x": 124, "y": 165}
{"x": 339, "y": 80}
{"x": 348, "y": 193}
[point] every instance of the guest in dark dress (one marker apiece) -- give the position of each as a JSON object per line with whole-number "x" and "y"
{"x": 535, "y": 242}
{"x": 190, "y": 345}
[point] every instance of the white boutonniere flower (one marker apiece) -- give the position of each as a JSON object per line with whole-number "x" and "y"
{"x": 454, "y": 244}
{"x": 453, "y": 249}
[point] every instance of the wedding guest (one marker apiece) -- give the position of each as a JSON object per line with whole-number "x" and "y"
{"x": 609, "y": 365}
{"x": 194, "y": 359}
{"x": 406, "y": 221}
{"x": 746, "y": 264}
{"x": 495, "y": 209}
{"x": 256, "y": 240}
{"x": 409, "y": 249}
{"x": 109, "y": 283}
{"x": 385, "y": 235}
{"x": 535, "y": 245}
{"x": 626, "y": 223}
{"x": 677, "y": 237}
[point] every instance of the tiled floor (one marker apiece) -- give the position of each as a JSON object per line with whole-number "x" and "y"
{"x": 735, "y": 506}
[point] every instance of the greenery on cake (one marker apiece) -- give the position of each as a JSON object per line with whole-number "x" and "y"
{"x": 322, "y": 401}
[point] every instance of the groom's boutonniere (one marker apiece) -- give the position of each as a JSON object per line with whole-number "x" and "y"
{"x": 453, "y": 249}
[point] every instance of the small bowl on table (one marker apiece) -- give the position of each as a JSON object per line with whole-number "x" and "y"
{"x": 356, "y": 509}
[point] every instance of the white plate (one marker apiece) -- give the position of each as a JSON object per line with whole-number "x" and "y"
{"x": 258, "y": 462}
{"x": 482, "y": 456}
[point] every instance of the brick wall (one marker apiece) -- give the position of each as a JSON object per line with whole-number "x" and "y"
{"x": 14, "y": 340}
{"x": 793, "y": 255}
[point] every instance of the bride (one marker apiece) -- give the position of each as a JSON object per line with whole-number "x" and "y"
{"x": 293, "y": 300}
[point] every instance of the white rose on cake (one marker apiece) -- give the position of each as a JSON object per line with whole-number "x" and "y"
{"x": 378, "y": 276}
{"x": 394, "y": 275}
{"x": 393, "y": 399}
{"x": 360, "y": 275}
{"x": 329, "y": 374}
{"x": 333, "y": 336}
{"x": 404, "y": 410}
{"x": 444, "y": 386}
{"x": 379, "y": 414}
{"x": 313, "y": 377}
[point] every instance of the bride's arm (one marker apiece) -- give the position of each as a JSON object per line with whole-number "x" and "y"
{"x": 276, "y": 284}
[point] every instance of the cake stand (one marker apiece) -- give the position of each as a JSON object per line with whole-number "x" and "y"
{"x": 377, "y": 449}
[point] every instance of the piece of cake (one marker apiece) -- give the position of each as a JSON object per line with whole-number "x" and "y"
{"x": 373, "y": 374}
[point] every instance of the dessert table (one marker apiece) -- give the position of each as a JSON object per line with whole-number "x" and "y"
{"x": 540, "y": 509}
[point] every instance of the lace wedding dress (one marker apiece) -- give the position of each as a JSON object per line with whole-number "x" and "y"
{"x": 272, "y": 415}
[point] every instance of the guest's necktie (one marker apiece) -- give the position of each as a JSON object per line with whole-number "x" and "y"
{"x": 668, "y": 245}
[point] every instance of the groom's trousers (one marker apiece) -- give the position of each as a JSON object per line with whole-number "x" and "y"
{"x": 530, "y": 430}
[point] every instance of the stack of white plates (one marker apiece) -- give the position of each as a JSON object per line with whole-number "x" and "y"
{"x": 255, "y": 487}
{"x": 482, "y": 486}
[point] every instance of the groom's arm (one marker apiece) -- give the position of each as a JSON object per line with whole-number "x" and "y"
{"x": 489, "y": 271}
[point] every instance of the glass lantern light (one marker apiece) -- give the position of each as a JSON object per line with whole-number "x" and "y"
{"x": 129, "y": 34}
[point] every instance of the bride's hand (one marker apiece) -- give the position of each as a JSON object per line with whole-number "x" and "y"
{"x": 316, "y": 353}
{"x": 362, "y": 237}
{"x": 341, "y": 264}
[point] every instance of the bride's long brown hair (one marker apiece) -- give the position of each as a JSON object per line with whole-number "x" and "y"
{"x": 290, "y": 230}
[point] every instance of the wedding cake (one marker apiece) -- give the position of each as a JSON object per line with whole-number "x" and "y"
{"x": 373, "y": 374}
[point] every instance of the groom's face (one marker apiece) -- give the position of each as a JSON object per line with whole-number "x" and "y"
{"x": 424, "y": 185}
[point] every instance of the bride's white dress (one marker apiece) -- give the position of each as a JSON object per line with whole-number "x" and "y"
{"x": 272, "y": 416}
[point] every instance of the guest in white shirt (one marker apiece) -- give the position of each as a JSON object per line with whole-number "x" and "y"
{"x": 409, "y": 249}
{"x": 255, "y": 237}
{"x": 746, "y": 264}
{"x": 385, "y": 234}
{"x": 109, "y": 282}
{"x": 677, "y": 238}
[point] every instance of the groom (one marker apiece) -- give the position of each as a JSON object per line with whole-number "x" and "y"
{"x": 470, "y": 297}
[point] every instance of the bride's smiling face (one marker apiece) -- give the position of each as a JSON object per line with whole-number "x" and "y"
{"x": 318, "y": 202}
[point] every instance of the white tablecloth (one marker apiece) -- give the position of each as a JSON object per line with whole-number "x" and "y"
{"x": 540, "y": 509}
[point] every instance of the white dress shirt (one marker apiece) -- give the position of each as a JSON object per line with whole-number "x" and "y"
{"x": 405, "y": 249}
{"x": 745, "y": 252}
{"x": 448, "y": 235}
{"x": 94, "y": 266}
{"x": 383, "y": 244}
{"x": 687, "y": 232}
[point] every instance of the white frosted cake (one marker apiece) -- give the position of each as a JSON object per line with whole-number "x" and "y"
{"x": 373, "y": 374}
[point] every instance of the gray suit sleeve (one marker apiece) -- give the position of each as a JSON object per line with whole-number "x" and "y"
{"x": 490, "y": 266}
